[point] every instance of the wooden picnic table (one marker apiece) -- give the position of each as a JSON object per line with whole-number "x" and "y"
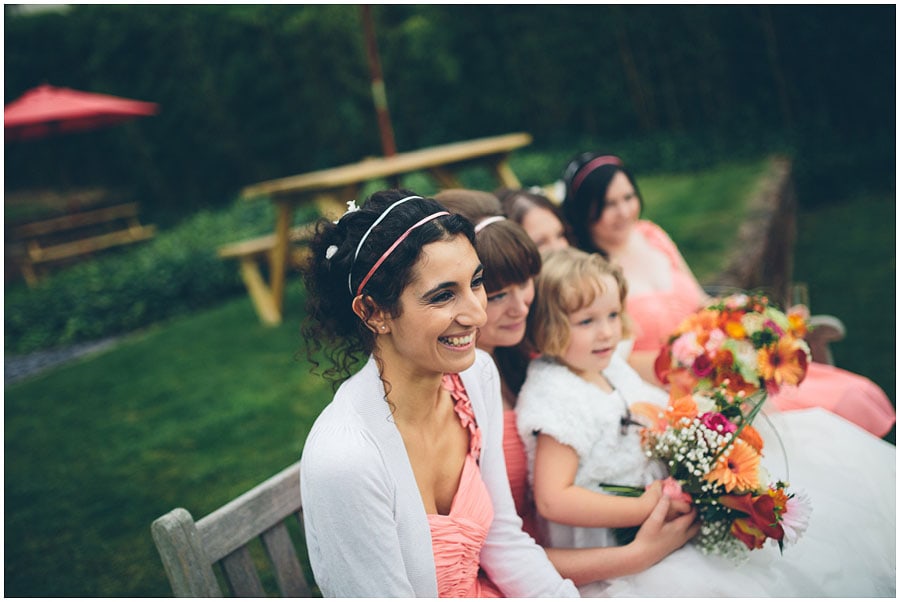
{"x": 330, "y": 189}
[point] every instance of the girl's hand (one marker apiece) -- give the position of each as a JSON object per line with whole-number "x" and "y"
{"x": 659, "y": 537}
{"x": 651, "y": 496}
{"x": 677, "y": 506}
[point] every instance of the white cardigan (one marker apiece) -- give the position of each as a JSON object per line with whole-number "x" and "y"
{"x": 366, "y": 528}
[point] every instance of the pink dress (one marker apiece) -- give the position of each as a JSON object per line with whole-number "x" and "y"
{"x": 657, "y": 314}
{"x": 517, "y": 471}
{"x": 457, "y": 538}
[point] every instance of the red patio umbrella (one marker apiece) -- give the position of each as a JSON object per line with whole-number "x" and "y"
{"x": 47, "y": 110}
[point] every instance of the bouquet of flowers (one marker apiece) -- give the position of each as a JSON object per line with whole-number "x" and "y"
{"x": 721, "y": 363}
{"x": 741, "y": 342}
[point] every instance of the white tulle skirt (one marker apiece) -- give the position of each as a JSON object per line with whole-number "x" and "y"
{"x": 849, "y": 548}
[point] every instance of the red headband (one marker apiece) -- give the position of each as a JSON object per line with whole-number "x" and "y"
{"x": 397, "y": 242}
{"x": 590, "y": 166}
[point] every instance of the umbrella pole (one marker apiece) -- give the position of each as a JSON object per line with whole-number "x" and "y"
{"x": 379, "y": 96}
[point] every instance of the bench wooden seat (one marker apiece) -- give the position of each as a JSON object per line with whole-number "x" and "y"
{"x": 190, "y": 550}
{"x": 76, "y": 235}
{"x": 329, "y": 189}
{"x": 251, "y": 253}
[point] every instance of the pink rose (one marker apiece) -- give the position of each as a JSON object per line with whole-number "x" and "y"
{"x": 771, "y": 325}
{"x": 716, "y": 338}
{"x": 715, "y": 421}
{"x": 672, "y": 490}
{"x": 702, "y": 366}
{"x": 685, "y": 349}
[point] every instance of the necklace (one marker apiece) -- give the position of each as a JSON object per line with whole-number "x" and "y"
{"x": 626, "y": 420}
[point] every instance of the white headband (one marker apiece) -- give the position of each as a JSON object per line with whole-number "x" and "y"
{"x": 487, "y": 222}
{"x": 366, "y": 235}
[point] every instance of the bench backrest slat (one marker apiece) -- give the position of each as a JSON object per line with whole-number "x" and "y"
{"x": 76, "y": 220}
{"x": 240, "y": 572}
{"x": 189, "y": 550}
{"x": 283, "y": 556}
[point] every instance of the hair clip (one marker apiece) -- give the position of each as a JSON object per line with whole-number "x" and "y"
{"x": 330, "y": 251}
{"x": 351, "y": 207}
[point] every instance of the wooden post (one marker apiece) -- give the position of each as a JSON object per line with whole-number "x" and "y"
{"x": 278, "y": 258}
{"x": 378, "y": 94}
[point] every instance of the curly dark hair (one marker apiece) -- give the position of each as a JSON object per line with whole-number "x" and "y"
{"x": 331, "y": 327}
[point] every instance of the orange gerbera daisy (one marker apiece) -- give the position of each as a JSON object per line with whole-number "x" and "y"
{"x": 739, "y": 470}
{"x": 681, "y": 407}
{"x": 797, "y": 325}
{"x": 752, "y": 437}
{"x": 780, "y": 498}
{"x": 782, "y": 363}
{"x": 735, "y": 330}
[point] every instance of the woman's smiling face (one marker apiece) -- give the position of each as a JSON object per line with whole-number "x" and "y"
{"x": 621, "y": 211}
{"x": 442, "y": 308}
{"x": 507, "y": 311}
{"x": 545, "y": 229}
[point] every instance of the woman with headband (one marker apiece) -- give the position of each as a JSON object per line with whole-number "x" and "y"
{"x": 511, "y": 261}
{"x": 540, "y": 217}
{"x": 402, "y": 475}
{"x": 603, "y": 205}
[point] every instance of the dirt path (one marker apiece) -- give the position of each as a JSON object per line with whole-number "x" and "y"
{"x": 20, "y": 367}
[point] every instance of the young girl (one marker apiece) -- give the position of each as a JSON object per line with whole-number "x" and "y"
{"x": 573, "y": 414}
{"x": 573, "y": 410}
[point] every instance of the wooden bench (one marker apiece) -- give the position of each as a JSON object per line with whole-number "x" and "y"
{"x": 192, "y": 552}
{"x": 329, "y": 190}
{"x": 253, "y": 253}
{"x": 76, "y": 235}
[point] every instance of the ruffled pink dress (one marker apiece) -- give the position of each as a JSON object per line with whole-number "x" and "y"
{"x": 517, "y": 471}
{"x": 457, "y": 538}
{"x": 657, "y": 314}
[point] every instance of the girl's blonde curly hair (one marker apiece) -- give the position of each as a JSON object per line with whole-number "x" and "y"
{"x": 570, "y": 279}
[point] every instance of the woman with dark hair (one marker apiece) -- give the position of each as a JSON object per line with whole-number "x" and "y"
{"x": 511, "y": 262}
{"x": 402, "y": 476}
{"x": 604, "y": 205}
{"x": 539, "y": 217}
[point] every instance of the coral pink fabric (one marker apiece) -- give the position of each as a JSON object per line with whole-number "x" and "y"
{"x": 657, "y": 314}
{"x": 517, "y": 471}
{"x": 457, "y": 538}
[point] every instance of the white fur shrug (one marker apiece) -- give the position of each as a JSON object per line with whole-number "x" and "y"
{"x": 556, "y": 402}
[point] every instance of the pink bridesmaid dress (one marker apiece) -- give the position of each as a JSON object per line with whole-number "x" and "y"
{"x": 517, "y": 472}
{"x": 457, "y": 537}
{"x": 657, "y": 314}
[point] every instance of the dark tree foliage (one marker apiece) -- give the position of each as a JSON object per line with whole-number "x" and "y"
{"x": 251, "y": 92}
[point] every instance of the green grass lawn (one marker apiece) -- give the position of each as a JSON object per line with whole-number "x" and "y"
{"x": 191, "y": 414}
{"x": 702, "y": 211}
{"x": 195, "y": 411}
{"x": 846, "y": 251}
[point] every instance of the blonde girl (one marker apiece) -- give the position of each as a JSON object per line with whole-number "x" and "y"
{"x": 573, "y": 409}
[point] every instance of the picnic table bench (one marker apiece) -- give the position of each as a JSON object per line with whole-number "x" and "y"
{"x": 36, "y": 245}
{"x": 329, "y": 189}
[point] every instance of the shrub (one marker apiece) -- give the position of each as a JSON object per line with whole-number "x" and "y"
{"x": 175, "y": 273}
